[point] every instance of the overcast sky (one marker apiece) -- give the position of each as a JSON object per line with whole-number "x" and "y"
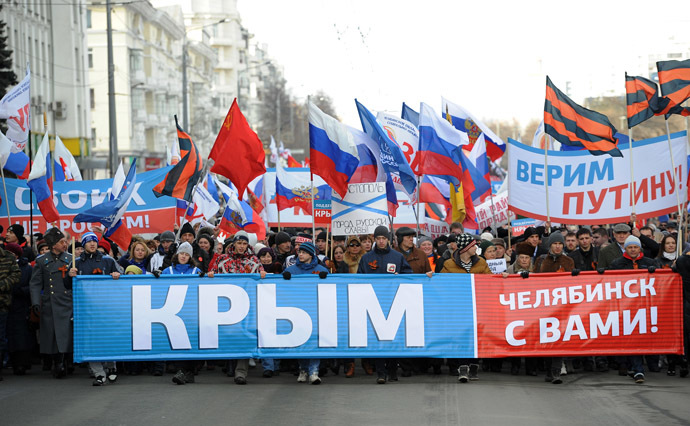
{"x": 489, "y": 56}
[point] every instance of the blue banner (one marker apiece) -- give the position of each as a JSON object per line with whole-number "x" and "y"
{"x": 74, "y": 197}
{"x": 241, "y": 316}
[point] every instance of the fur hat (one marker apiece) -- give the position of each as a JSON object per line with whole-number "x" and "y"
{"x": 52, "y": 236}
{"x": 525, "y": 248}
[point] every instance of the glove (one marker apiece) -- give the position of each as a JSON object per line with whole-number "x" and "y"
{"x": 201, "y": 274}
{"x": 674, "y": 268}
{"x": 323, "y": 275}
{"x": 172, "y": 249}
{"x": 156, "y": 273}
{"x": 36, "y": 310}
{"x": 287, "y": 275}
{"x": 524, "y": 274}
{"x": 601, "y": 270}
{"x": 575, "y": 272}
{"x": 651, "y": 269}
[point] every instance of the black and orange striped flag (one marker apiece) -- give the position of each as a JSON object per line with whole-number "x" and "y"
{"x": 674, "y": 78}
{"x": 181, "y": 179}
{"x": 573, "y": 125}
{"x": 642, "y": 97}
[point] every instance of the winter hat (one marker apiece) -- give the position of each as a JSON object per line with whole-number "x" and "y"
{"x": 17, "y": 230}
{"x": 632, "y": 240}
{"x": 556, "y": 237}
{"x": 89, "y": 236}
{"x": 135, "y": 269}
{"x": 52, "y": 236}
{"x": 302, "y": 238}
{"x": 485, "y": 244}
{"x": 167, "y": 236}
{"x": 282, "y": 237}
{"x": 465, "y": 242}
{"x": 40, "y": 244}
{"x": 308, "y": 247}
{"x": 208, "y": 238}
{"x": 403, "y": 232}
{"x": 14, "y": 248}
{"x": 187, "y": 228}
{"x": 185, "y": 248}
{"x": 206, "y": 230}
{"x": 487, "y": 236}
{"x": 352, "y": 238}
{"x": 241, "y": 235}
{"x": 105, "y": 245}
{"x": 529, "y": 232}
{"x": 524, "y": 248}
{"x": 258, "y": 246}
{"x": 499, "y": 242}
{"x": 268, "y": 250}
{"x": 621, "y": 227}
{"x": 321, "y": 236}
{"x": 381, "y": 231}
{"x": 423, "y": 238}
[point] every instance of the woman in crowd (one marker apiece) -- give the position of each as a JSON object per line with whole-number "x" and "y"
{"x": 139, "y": 255}
{"x": 667, "y": 252}
{"x": 426, "y": 244}
{"x": 182, "y": 262}
{"x": 338, "y": 265}
{"x": 353, "y": 253}
{"x": 367, "y": 241}
{"x": 269, "y": 261}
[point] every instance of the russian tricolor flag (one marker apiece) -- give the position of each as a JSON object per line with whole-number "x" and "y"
{"x": 19, "y": 163}
{"x": 239, "y": 215}
{"x": 481, "y": 177}
{"x": 332, "y": 150}
{"x": 440, "y": 146}
{"x": 41, "y": 182}
{"x": 293, "y": 190}
{"x": 495, "y": 147}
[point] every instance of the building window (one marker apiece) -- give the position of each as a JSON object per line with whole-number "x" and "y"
{"x": 77, "y": 61}
{"x": 138, "y": 101}
{"x": 92, "y": 98}
{"x": 90, "y": 58}
{"x": 88, "y": 18}
{"x": 135, "y": 60}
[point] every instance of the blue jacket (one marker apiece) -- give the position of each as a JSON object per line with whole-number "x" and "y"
{"x": 386, "y": 261}
{"x": 96, "y": 264}
{"x": 181, "y": 269}
{"x": 314, "y": 267}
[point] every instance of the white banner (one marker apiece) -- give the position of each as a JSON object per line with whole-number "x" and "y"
{"x": 361, "y": 211}
{"x": 488, "y": 213}
{"x": 587, "y": 189}
{"x": 14, "y": 107}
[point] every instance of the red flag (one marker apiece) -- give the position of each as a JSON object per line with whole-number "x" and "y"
{"x": 291, "y": 162}
{"x": 238, "y": 153}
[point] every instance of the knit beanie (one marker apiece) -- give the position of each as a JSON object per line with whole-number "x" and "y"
{"x": 134, "y": 269}
{"x": 632, "y": 240}
{"x": 308, "y": 247}
{"x": 282, "y": 237}
{"x": 167, "y": 236}
{"x": 17, "y": 230}
{"x": 381, "y": 231}
{"x": 465, "y": 242}
{"x": 187, "y": 228}
{"x": 423, "y": 238}
{"x": 185, "y": 248}
{"x": 89, "y": 236}
{"x": 556, "y": 237}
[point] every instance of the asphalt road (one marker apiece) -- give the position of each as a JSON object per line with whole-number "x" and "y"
{"x": 496, "y": 399}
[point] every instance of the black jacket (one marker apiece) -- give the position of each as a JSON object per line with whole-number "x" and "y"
{"x": 585, "y": 261}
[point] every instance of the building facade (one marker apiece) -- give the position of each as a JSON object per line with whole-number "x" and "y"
{"x": 51, "y": 40}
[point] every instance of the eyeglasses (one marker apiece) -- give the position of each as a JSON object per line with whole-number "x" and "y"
{"x": 354, "y": 245}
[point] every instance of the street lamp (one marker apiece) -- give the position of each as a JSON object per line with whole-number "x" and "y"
{"x": 185, "y": 112}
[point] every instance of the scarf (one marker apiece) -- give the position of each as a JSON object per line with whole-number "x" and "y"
{"x": 670, "y": 256}
{"x": 634, "y": 261}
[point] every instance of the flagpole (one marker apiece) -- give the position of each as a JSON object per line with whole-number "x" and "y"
{"x": 419, "y": 194}
{"x": 313, "y": 221}
{"x": 632, "y": 177}
{"x": 546, "y": 184}
{"x": 679, "y": 246}
{"x": 4, "y": 187}
{"x": 491, "y": 189}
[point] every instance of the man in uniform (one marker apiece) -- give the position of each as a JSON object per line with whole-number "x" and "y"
{"x": 51, "y": 297}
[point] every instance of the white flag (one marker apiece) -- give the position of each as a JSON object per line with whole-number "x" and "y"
{"x": 15, "y": 108}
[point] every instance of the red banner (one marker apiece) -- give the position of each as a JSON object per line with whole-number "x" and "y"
{"x": 616, "y": 313}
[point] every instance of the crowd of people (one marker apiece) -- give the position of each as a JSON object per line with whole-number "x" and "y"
{"x": 36, "y": 288}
